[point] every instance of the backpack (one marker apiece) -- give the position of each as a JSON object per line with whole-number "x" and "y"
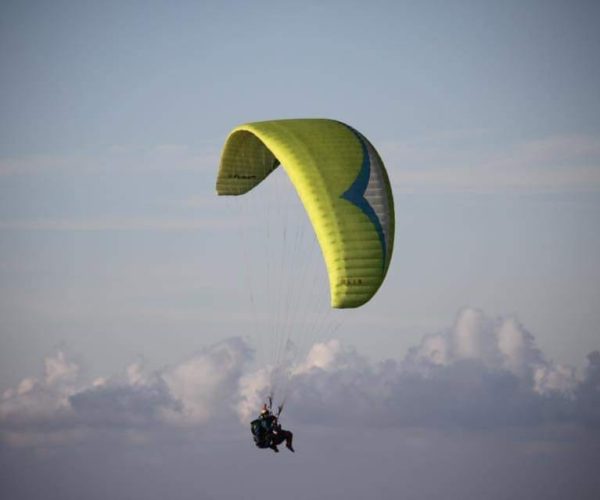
{"x": 259, "y": 433}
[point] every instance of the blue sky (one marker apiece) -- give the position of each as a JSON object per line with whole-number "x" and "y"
{"x": 114, "y": 248}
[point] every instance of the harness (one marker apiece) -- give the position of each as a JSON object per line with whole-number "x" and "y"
{"x": 262, "y": 432}
{"x": 263, "y": 428}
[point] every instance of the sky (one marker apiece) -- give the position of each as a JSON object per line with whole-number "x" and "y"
{"x": 134, "y": 337}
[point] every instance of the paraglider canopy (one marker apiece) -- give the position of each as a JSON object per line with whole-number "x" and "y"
{"x": 342, "y": 184}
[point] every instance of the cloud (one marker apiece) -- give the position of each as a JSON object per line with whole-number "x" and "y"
{"x": 116, "y": 224}
{"x": 588, "y": 392}
{"x": 206, "y": 384}
{"x": 480, "y": 373}
{"x": 121, "y": 406}
{"x": 117, "y": 159}
{"x": 470, "y": 162}
{"x": 41, "y": 402}
{"x": 190, "y": 393}
{"x": 501, "y": 344}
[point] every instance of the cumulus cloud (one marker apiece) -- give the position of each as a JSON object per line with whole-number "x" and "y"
{"x": 206, "y": 384}
{"x": 41, "y": 401}
{"x": 588, "y": 392}
{"x": 190, "y": 393}
{"x": 501, "y": 344}
{"x": 253, "y": 390}
{"x": 481, "y": 372}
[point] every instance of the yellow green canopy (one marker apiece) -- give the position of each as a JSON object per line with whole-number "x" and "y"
{"x": 342, "y": 184}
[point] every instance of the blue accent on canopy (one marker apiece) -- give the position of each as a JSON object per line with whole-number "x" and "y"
{"x": 356, "y": 193}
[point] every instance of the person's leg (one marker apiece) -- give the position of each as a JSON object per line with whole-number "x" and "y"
{"x": 274, "y": 440}
{"x": 288, "y": 440}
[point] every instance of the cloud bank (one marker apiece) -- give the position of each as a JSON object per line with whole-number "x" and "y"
{"x": 480, "y": 373}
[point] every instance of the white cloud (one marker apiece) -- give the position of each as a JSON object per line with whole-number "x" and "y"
{"x": 117, "y": 158}
{"x": 115, "y": 224}
{"x": 41, "y": 403}
{"x": 472, "y": 163}
{"x": 550, "y": 377}
{"x": 253, "y": 391}
{"x": 189, "y": 393}
{"x": 60, "y": 370}
{"x": 481, "y": 372}
{"x": 328, "y": 356}
{"x": 498, "y": 344}
{"x": 206, "y": 384}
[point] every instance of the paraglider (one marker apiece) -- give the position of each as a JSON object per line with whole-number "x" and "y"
{"x": 268, "y": 433}
{"x": 344, "y": 189}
